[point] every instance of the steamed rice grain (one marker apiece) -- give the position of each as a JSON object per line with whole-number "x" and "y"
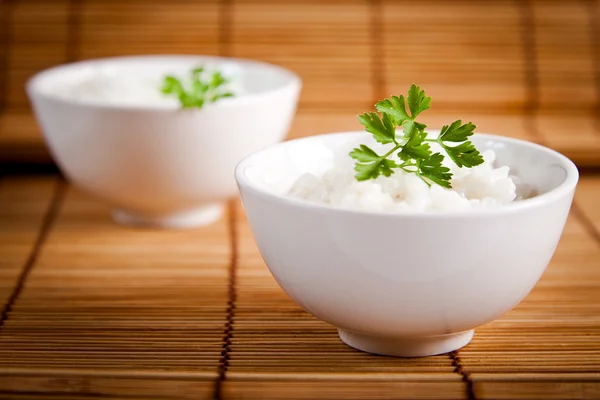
{"x": 483, "y": 186}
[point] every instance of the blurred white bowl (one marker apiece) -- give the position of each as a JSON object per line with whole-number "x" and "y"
{"x": 405, "y": 284}
{"x": 154, "y": 163}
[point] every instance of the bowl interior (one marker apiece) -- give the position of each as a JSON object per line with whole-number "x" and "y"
{"x": 275, "y": 169}
{"x": 86, "y": 80}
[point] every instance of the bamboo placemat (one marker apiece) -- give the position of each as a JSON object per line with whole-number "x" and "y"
{"x": 526, "y": 68}
{"x": 91, "y": 309}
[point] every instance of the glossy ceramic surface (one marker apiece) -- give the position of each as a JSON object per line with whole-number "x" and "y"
{"x": 157, "y": 165}
{"x": 405, "y": 284}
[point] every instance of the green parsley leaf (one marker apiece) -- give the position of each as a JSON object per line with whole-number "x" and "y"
{"x": 433, "y": 170}
{"x": 217, "y": 80}
{"x": 456, "y": 132}
{"x": 417, "y": 100}
{"x": 221, "y": 96}
{"x": 464, "y": 155}
{"x": 199, "y": 91}
{"x": 383, "y": 131}
{"x": 370, "y": 164}
{"x": 394, "y": 107}
{"x": 390, "y": 124}
{"x": 412, "y": 147}
{"x": 409, "y": 127}
{"x": 374, "y": 169}
{"x": 364, "y": 154}
{"x": 186, "y": 100}
{"x": 171, "y": 85}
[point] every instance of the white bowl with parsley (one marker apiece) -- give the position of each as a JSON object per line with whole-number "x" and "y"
{"x": 158, "y": 137}
{"x": 407, "y": 280}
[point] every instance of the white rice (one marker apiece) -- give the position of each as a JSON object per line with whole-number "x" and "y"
{"x": 112, "y": 86}
{"x": 483, "y": 186}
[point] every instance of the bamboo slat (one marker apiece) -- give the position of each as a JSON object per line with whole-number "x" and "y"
{"x": 502, "y": 61}
{"x": 510, "y": 390}
{"x": 129, "y": 313}
{"x": 564, "y": 46}
{"x": 105, "y": 306}
{"x": 110, "y": 28}
{"x": 38, "y": 40}
{"x": 82, "y": 386}
{"x": 463, "y": 52}
{"x": 327, "y": 43}
{"x": 21, "y": 139}
{"x": 309, "y": 122}
{"x": 343, "y": 390}
{"x": 587, "y": 199}
{"x": 23, "y": 204}
{"x": 511, "y": 125}
{"x": 576, "y": 135}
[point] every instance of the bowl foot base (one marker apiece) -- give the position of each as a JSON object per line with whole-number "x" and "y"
{"x": 406, "y": 346}
{"x": 196, "y": 217}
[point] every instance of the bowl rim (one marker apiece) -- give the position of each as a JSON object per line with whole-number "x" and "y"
{"x": 33, "y": 91}
{"x": 566, "y": 187}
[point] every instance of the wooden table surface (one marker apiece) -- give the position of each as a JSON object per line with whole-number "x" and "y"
{"x": 91, "y": 309}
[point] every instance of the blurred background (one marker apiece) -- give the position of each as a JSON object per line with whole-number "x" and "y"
{"x": 526, "y": 69}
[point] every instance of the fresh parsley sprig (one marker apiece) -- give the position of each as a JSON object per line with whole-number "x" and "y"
{"x": 199, "y": 91}
{"x": 414, "y": 152}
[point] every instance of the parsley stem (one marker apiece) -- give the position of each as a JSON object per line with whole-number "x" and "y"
{"x": 418, "y": 165}
{"x": 406, "y": 164}
{"x": 440, "y": 142}
{"x": 386, "y": 155}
